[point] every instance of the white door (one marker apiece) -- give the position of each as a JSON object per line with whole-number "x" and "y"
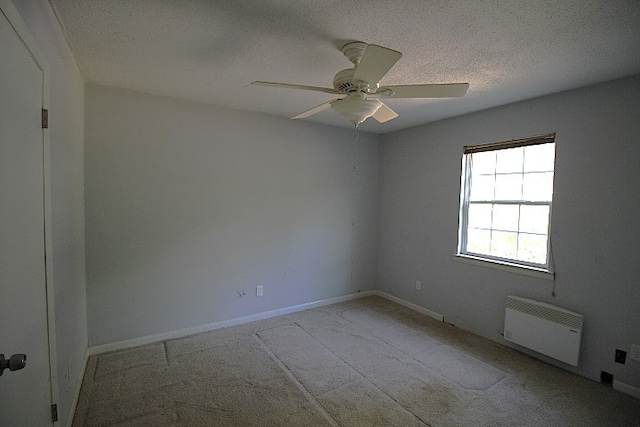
{"x": 25, "y": 395}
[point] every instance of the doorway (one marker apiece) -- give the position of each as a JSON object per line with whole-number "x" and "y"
{"x": 26, "y": 300}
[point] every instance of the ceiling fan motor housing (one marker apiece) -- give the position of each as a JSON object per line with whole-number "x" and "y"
{"x": 344, "y": 81}
{"x": 360, "y": 89}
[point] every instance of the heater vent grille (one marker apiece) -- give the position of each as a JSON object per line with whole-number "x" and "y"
{"x": 545, "y": 328}
{"x": 545, "y": 311}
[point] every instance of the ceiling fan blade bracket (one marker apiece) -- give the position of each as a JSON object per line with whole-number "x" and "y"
{"x": 360, "y": 86}
{"x": 385, "y": 92}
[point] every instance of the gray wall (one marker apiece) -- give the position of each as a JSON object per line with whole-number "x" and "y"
{"x": 189, "y": 207}
{"x": 595, "y": 220}
{"x": 67, "y": 198}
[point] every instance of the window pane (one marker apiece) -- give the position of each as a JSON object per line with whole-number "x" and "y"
{"x": 482, "y": 187}
{"x": 539, "y": 158}
{"x": 501, "y": 220}
{"x": 538, "y": 187}
{"x": 532, "y": 248}
{"x": 484, "y": 162}
{"x": 534, "y": 219}
{"x": 479, "y": 215}
{"x": 504, "y": 244}
{"x": 508, "y": 187}
{"x": 509, "y": 160}
{"x": 505, "y": 217}
{"x": 479, "y": 241}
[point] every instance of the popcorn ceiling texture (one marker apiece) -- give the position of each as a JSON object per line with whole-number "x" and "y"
{"x": 210, "y": 51}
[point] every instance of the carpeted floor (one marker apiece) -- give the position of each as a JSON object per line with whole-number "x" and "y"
{"x": 366, "y": 362}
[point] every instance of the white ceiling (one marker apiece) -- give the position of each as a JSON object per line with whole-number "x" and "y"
{"x": 210, "y": 50}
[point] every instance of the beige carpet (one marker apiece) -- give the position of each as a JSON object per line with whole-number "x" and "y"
{"x": 367, "y": 362}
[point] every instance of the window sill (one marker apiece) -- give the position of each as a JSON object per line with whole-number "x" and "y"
{"x": 505, "y": 266}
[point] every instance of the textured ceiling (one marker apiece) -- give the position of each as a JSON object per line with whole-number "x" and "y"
{"x": 210, "y": 50}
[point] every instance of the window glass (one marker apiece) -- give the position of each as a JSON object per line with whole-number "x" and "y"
{"x": 534, "y": 219}
{"x": 506, "y": 197}
{"x": 539, "y": 158}
{"x": 484, "y": 187}
{"x": 505, "y": 217}
{"x": 532, "y": 248}
{"x": 480, "y": 215}
{"x": 508, "y": 187}
{"x": 504, "y": 244}
{"x": 537, "y": 186}
{"x": 479, "y": 241}
{"x": 509, "y": 160}
{"x": 484, "y": 163}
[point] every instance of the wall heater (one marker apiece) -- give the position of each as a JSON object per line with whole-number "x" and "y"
{"x": 545, "y": 328}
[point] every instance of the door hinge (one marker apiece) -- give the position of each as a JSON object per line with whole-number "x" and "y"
{"x": 54, "y": 413}
{"x": 45, "y": 118}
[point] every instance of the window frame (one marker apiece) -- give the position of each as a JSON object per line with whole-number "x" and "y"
{"x": 512, "y": 264}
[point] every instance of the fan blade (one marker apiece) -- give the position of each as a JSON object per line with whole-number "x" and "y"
{"x": 313, "y": 111}
{"x": 448, "y": 90}
{"x": 301, "y": 87}
{"x": 375, "y": 63}
{"x": 384, "y": 114}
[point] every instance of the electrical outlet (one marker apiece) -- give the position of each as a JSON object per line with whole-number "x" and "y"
{"x": 621, "y": 356}
{"x": 259, "y": 290}
{"x": 418, "y": 285}
{"x": 635, "y": 352}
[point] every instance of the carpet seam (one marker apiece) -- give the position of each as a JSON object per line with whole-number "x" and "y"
{"x": 363, "y": 376}
{"x": 166, "y": 353}
{"x": 298, "y": 384}
{"x": 534, "y": 393}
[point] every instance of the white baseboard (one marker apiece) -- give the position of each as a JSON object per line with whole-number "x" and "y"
{"x": 626, "y": 388}
{"x": 148, "y": 339}
{"x": 411, "y": 305}
{"x": 76, "y": 394}
{"x": 135, "y": 342}
{"x": 120, "y": 345}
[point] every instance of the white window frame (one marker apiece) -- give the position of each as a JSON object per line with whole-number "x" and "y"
{"x": 536, "y": 269}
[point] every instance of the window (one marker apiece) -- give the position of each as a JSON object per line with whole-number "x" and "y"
{"x": 505, "y": 201}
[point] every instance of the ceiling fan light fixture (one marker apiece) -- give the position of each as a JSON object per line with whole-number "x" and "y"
{"x": 360, "y": 86}
{"x": 356, "y": 110}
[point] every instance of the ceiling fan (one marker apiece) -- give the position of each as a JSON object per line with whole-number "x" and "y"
{"x": 360, "y": 86}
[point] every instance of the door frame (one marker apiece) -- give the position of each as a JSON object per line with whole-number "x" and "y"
{"x": 21, "y": 28}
